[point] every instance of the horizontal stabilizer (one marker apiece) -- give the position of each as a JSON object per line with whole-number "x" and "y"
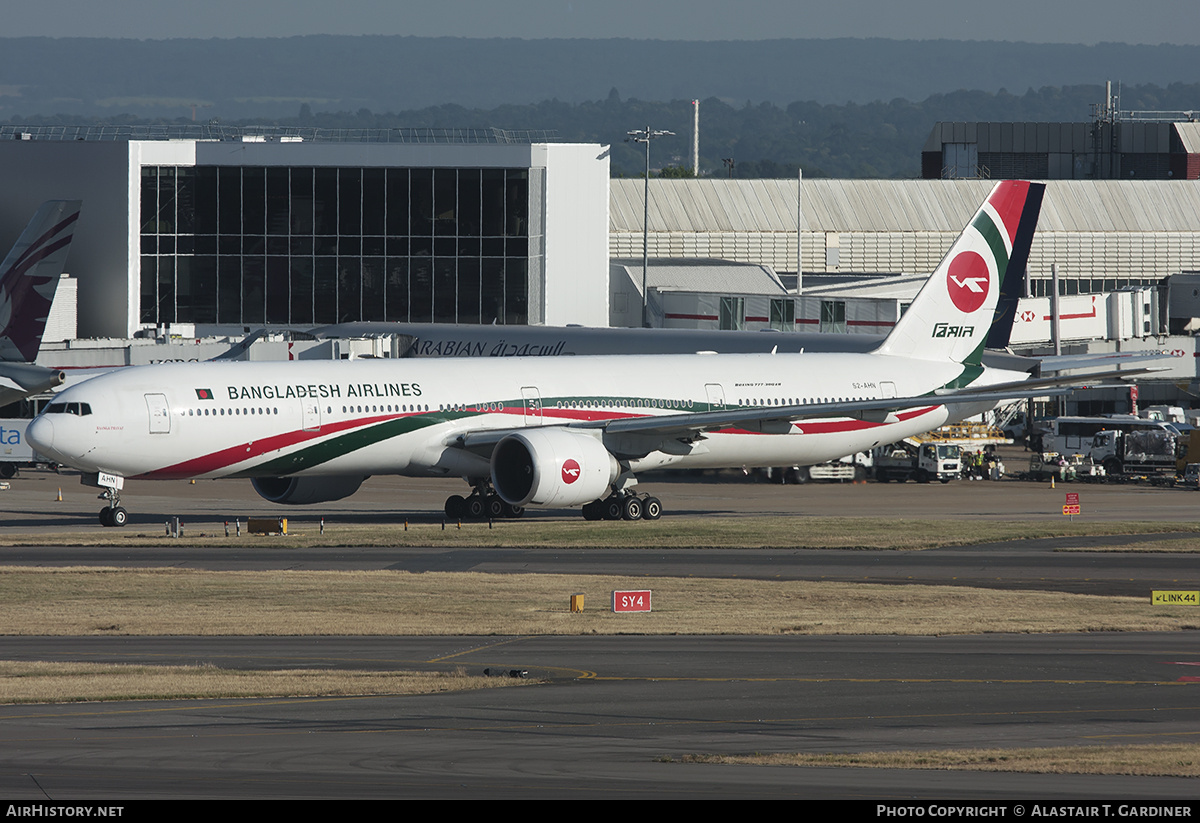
{"x": 1057, "y": 363}
{"x": 21, "y": 380}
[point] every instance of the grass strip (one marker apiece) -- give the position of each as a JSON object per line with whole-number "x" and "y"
{"x": 1164, "y": 760}
{"x": 50, "y": 682}
{"x": 173, "y": 601}
{"x": 798, "y": 532}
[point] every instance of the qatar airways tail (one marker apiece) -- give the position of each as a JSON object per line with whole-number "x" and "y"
{"x": 29, "y": 277}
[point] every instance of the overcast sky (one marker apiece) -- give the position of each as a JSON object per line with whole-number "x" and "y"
{"x": 1037, "y": 21}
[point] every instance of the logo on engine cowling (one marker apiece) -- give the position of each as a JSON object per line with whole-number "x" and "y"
{"x": 570, "y": 471}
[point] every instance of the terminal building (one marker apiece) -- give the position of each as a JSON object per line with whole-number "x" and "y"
{"x": 269, "y": 228}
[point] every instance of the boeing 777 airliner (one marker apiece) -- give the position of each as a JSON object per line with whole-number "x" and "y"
{"x": 559, "y": 432}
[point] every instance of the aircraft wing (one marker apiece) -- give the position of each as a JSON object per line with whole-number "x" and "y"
{"x": 771, "y": 418}
{"x": 778, "y": 419}
{"x": 768, "y": 419}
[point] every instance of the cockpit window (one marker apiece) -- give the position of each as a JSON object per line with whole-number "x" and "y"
{"x": 78, "y": 409}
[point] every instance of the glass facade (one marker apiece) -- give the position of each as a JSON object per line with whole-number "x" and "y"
{"x": 281, "y": 245}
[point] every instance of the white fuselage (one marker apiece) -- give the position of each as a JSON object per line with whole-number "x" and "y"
{"x": 404, "y": 416}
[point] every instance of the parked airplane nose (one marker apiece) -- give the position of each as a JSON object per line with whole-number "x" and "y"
{"x": 40, "y": 435}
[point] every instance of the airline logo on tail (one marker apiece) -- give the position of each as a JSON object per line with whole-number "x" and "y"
{"x": 967, "y": 280}
{"x": 29, "y": 277}
{"x": 951, "y": 317}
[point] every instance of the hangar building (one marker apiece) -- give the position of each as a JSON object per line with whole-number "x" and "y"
{"x": 1103, "y": 234}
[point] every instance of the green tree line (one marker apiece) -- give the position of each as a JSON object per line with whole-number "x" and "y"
{"x": 874, "y": 140}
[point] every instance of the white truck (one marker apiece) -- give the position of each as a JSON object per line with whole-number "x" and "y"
{"x": 1126, "y": 453}
{"x": 921, "y": 462}
{"x": 1124, "y": 446}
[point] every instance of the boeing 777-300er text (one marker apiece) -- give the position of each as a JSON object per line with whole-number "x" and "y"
{"x": 546, "y": 431}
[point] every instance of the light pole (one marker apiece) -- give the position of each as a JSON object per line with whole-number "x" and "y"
{"x": 645, "y": 136}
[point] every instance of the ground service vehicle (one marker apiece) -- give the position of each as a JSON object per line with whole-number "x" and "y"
{"x": 1051, "y": 465}
{"x": 1134, "y": 452}
{"x": 1146, "y": 452}
{"x": 1187, "y": 450}
{"x": 918, "y": 461}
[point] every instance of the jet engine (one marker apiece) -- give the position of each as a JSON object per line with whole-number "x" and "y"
{"x": 552, "y": 467}
{"x": 298, "y": 491}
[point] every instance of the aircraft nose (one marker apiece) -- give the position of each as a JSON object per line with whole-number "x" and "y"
{"x": 40, "y": 435}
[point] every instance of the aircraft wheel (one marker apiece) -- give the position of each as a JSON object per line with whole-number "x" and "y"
{"x": 475, "y": 507}
{"x": 496, "y": 507}
{"x": 513, "y": 511}
{"x": 612, "y": 508}
{"x": 651, "y": 508}
{"x": 631, "y": 509}
{"x": 456, "y": 506}
{"x": 593, "y": 511}
{"x": 105, "y": 516}
{"x": 118, "y": 517}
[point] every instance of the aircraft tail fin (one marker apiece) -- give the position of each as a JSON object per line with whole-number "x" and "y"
{"x": 1012, "y": 288}
{"x": 29, "y": 277}
{"x": 952, "y": 315}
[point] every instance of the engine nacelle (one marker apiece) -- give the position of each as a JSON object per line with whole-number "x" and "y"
{"x": 552, "y": 467}
{"x": 299, "y": 491}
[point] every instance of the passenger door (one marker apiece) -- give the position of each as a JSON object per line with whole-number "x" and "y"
{"x": 160, "y": 413}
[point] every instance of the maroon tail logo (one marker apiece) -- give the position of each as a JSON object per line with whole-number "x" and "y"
{"x": 28, "y": 278}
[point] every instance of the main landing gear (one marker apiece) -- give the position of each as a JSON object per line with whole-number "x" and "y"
{"x": 623, "y": 506}
{"x": 482, "y": 504}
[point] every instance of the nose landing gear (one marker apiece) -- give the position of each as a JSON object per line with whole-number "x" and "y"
{"x": 113, "y": 514}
